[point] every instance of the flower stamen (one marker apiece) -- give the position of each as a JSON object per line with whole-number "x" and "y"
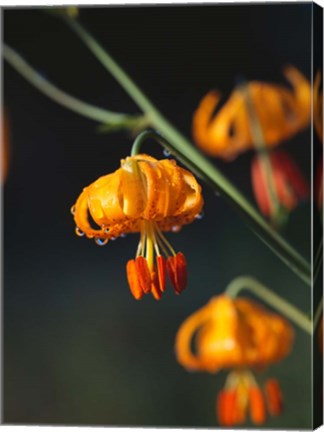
{"x": 273, "y": 397}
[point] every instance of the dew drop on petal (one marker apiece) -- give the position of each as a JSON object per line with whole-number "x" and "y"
{"x": 72, "y": 210}
{"x": 78, "y": 232}
{"x": 101, "y": 242}
{"x": 166, "y": 153}
{"x": 113, "y": 238}
{"x": 200, "y": 215}
{"x": 176, "y": 228}
{"x": 123, "y": 235}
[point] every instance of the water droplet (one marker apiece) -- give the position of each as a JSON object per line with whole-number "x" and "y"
{"x": 200, "y": 215}
{"x": 166, "y": 153}
{"x": 113, "y": 238}
{"x": 101, "y": 242}
{"x": 123, "y": 235}
{"x": 72, "y": 210}
{"x": 107, "y": 230}
{"x": 78, "y": 232}
{"x": 176, "y": 228}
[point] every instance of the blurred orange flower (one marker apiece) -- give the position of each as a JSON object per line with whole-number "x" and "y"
{"x": 148, "y": 196}
{"x": 282, "y": 112}
{"x": 240, "y": 334}
{"x": 290, "y": 184}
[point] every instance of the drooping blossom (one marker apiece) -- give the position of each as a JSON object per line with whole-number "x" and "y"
{"x": 147, "y": 196}
{"x": 240, "y": 335}
{"x": 280, "y": 110}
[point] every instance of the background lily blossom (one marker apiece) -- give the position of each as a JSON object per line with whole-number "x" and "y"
{"x": 281, "y": 112}
{"x": 236, "y": 334}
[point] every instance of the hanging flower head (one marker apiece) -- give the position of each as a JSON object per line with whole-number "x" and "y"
{"x": 148, "y": 196}
{"x": 282, "y": 112}
{"x": 236, "y": 334}
{"x": 290, "y": 184}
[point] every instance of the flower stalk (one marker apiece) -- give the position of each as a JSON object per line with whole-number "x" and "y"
{"x": 109, "y": 119}
{"x": 259, "y": 143}
{"x": 257, "y": 288}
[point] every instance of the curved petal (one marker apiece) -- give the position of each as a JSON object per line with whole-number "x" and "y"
{"x": 184, "y": 337}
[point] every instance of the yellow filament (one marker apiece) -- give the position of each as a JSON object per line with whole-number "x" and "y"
{"x": 231, "y": 381}
{"x": 156, "y": 246}
{"x": 149, "y": 246}
{"x": 140, "y": 247}
{"x": 165, "y": 241}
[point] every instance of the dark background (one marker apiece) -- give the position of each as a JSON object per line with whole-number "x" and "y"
{"x": 78, "y": 349}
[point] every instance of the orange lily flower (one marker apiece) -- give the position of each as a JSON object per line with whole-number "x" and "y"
{"x": 282, "y": 112}
{"x": 236, "y": 334}
{"x": 148, "y": 196}
{"x": 290, "y": 184}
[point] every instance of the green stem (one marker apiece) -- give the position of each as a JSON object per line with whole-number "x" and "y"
{"x": 259, "y": 144}
{"x": 274, "y": 300}
{"x": 53, "y": 92}
{"x": 109, "y": 63}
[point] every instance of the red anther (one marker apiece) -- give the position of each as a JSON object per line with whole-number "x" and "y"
{"x": 283, "y": 162}
{"x": 161, "y": 265}
{"x": 257, "y": 406}
{"x": 220, "y": 407}
{"x": 181, "y": 271}
{"x": 273, "y": 396}
{"x": 286, "y": 194}
{"x": 260, "y": 187}
{"x": 230, "y": 407}
{"x": 177, "y": 270}
{"x": 143, "y": 274}
{"x": 133, "y": 281}
{"x": 289, "y": 182}
{"x": 155, "y": 287}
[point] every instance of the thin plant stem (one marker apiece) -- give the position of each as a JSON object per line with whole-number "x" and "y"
{"x": 257, "y": 288}
{"x": 259, "y": 144}
{"x": 53, "y": 92}
{"x": 183, "y": 150}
